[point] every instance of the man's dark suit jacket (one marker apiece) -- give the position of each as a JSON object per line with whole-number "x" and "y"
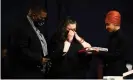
{"x": 25, "y": 51}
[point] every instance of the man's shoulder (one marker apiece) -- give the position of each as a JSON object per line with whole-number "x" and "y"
{"x": 24, "y": 30}
{"x": 24, "y": 24}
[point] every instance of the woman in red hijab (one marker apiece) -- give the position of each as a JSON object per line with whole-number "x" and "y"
{"x": 117, "y": 57}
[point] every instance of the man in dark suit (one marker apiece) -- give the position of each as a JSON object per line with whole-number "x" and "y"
{"x": 117, "y": 57}
{"x": 28, "y": 50}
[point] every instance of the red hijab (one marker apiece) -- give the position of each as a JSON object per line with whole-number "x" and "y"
{"x": 113, "y": 17}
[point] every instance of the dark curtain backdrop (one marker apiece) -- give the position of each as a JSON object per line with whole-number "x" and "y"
{"x": 89, "y": 14}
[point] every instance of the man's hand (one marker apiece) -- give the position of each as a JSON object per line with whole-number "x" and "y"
{"x": 44, "y": 60}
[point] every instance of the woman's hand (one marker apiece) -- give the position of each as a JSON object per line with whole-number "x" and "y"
{"x": 70, "y": 35}
{"x": 77, "y": 37}
{"x": 67, "y": 43}
{"x": 81, "y": 41}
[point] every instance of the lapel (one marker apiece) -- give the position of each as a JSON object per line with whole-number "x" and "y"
{"x": 33, "y": 34}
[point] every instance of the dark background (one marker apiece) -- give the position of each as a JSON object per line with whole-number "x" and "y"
{"x": 89, "y": 14}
